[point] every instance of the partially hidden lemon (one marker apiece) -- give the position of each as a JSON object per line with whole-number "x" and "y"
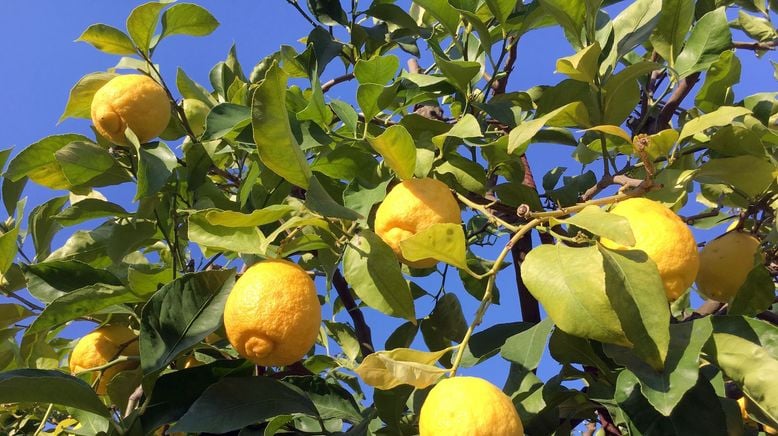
{"x": 102, "y": 346}
{"x": 412, "y": 206}
{"x": 665, "y": 238}
{"x": 272, "y": 316}
{"x": 132, "y": 100}
{"x": 468, "y": 406}
{"x": 724, "y": 265}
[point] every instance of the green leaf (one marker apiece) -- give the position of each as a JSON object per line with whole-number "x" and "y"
{"x": 369, "y": 99}
{"x": 145, "y": 280}
{"x": 371, "y": 268}
{"x": 748, "y": 174}
{"x": 80, "y": 100}
{"x": 488, "y": 342}
{"x": 38, "y": 161}
{"x": 258, "y": 217}
{"x": 182, "y": 314}
{"x": 12, "y": 313}
{"x": 235, "y": 402}
{"x": 108, "y": 39}
{"x": 226, "y": 120}
{"x": 581, "y": 66}
{"x": 459, "y": 73}
{"x": 570, "y": 284}
{"x": 637, "y": 294}
{"x": 674, "y": 23}
{"x": 720, "y": 117}
{"x": 43, "y": 227}
{"x": 612, "y": 130}
{"x": 187, "y": 19}
{"x": 328, "y": 12}
{"x": 319, "y": 200}
{"x": 601, "y": 223}
{"x": 142, "y": 23}
{"x": 622, "y": 92}
{"x": 247, "y": 240}
{"x": 191, "y": 89}
{"x": 709, "y": 38}
{"x": 81, "y": 302}
{"x": 446, "y": 324}
{"x": 755, "y": 295}
{"x": 398, "y": 149}
{"x": 44, "y": 386}
{"x": 717, "y": 90}
{"x": 278, "y": 149}
{"x": 757, "y": 28}
{"x": 388, "y": 369}
{"x": 63, "y": 277}
{"x": 570, "y": 15}
{"x": 632, "y": 27}
{"x": 106, "y": 244}
{"x": 520, "y": 137}
{"x": 443, "y": 12}
{"x": 155, "y": 166}
{"x": 444, "y": 242}
{"x": 501, "y": 9}
{"x": 526, "y": 348}
{"x": 345, "y": 113}
{"x": 379, "y": 69}
{"x": 88, "y": 209}
{"x": 88, "y": 164}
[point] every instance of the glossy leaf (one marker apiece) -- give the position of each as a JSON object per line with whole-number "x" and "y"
{"x": 709, "y": 38}
{"x": 720, "y": 117}
{"x": 108, "y": 39}
{"x": 328, "y": 12}
{"x": 747, "y": 174}
{"x": 675, "y": 19}
{"x": 187, "y": 19}
{"x": 48, "y": 386}
{"x": 142, "y": 23}
{"x": 80, "y": 100}
{"x": 318, "y": 200}
{"x": 443, "y": 242}
{"x": 387, "y": 369}
{"x": 155, "y": 166}
{"x": 398, "y": 149}
{"x": 622, "y": 92}
{"x": 443, "y": 12}
{"x": 526, "y": 348}
{"x": 379, "y": 70}
{"x": 601, "y": 223}
{"x": 755, "y": 295}
{"x": 520, "y": 136}
{"x": 581, "y": 66}
{"x": 88, "y": 209}
{"x": 717, "y": 91}
{"x": 38, "y": 161}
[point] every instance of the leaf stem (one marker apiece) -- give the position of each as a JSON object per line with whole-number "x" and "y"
{"x": 45, "y": 419}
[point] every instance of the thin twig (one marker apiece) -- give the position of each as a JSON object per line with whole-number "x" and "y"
{"x": 755, "y": 46}
{"x": 340, "y": 79}
{"x": 361, "y": 328}
{"x": 681, "y": 91}
{"x": 619, "y": 179}
{"x": 23, "y": 300}
{"x": 302, "y": 12}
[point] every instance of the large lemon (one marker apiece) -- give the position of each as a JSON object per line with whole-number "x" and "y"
{"x": 102, "y": 346}
{"x": 665, "y": 238}
{"x": 468, "y": 406}
{"x": 412, "y": 206}
{"x": 724, "y": 265}
{"x": 272, "y": 316}
{"x": 135, "y": 101}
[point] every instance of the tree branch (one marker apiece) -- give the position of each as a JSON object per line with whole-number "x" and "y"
{"x": 340, "y": 79}
{"x": 499, "y": 85}
{"x": 302, "y": 12}
{"x": 360, "y": 325}
{"x": 683, "y": 89}
{"x": 755, "y": 46}
{"x": 619, "y": 179}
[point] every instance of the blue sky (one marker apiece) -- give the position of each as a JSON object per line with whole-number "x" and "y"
{"x": 42, "y": 62}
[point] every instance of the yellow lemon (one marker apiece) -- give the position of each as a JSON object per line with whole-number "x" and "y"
{"x": 272, "y": 316}
{"x": 135, "y": 101}
{"x": 724, "y": 265}
{"x": 468, "y": 406}
{"x": 665, "y": 238}
{"x": 102, "y": 346}
{"x": 412, "y": 206}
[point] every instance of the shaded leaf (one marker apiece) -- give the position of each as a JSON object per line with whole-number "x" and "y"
{"x": 79, "y": 103}
{"x": 709, "y": 38}
{"x": 44, "y": 386}
{"x": 444, "y": 242}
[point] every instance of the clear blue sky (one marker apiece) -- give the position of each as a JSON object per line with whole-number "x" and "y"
{"x": 41, "y": 63}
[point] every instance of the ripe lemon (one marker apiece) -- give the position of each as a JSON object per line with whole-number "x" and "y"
{"x": 411, "y": 207}
{"x": 724, "y": 265}
{"x": 272, "y": 316}
{"x": 135, "y": 101}
{"x": 665, "y": 238}
{"x": 102, "y": 346}
{"x": 468, "y": 406}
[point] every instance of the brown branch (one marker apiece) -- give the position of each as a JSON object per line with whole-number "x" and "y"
{"x": 607, "y": 422}
{"x": 499, "y": 85}
{"x": 755, "y": 46}
{"x": 681, "y": 91}
{"x": 619, "y": 179}
{"x": 340, "y": 79}
{"x": 768, "y": 316}
{"x": 360, "y": 325}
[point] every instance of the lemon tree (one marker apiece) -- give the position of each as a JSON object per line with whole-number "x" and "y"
{"x": 278, "y": 260}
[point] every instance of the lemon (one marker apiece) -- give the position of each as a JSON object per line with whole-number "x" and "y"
{"x": 135, "y": 101}
{"x": 272, "y": 316}
{"x": 412, "y": 206}
{"x": 468, "y": 406}
{"x": 102, "y": 346}
{"x": 196, "y": 112}
{"x": 724, "y": 265}
{"x": 665, "y": 238}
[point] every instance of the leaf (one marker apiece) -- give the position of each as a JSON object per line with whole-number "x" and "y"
{"x": 278, "y": 149}
{"x": 581, "y": 66}
{"x": 622, "y": 92}
{"x": 187, "y": 19}
{"x": 345, "y": 113}
{"x": 402, "y": 366}
{"x": 369, "y": 99}
{"x": 81, "y": 302}
{"x": 156, "y": 163}
{"x": 109, "y": 243}
{"x": 88, "y": 164}
{"x": 632, "y": 27}
{"x": 328, "y": 12}
{"x": 459, "y": 73}
{"x": 182, "y": 314}
{"x": 235, "y": 402}
{"x": 145, "y": 280}
{"x": 709, "y": 38}
{"x": 526, "y": 348}
{"x": 612, "y": 130}
{"x": 570, "y": 15}
{"x": 717, "y": 91}
{"x": 398, "y": 149}
{"x": 379, "y": 69}
{"x": 603, "y": 224}
{"x": 49, "y": 386}
{"x": 191, "y": 89}
{"x": 142, "y": 23}
{"x": 247, "y": 240}
{"x": 88, "y": 209}
{"x": 443, "y": 12}
{"x": 570, "y": 284}
{"x": 519, "y": 137}
{"x": 444, "y": 242}
{"x": 446, "y": 324}
{"x": 108, "y": 39}
{"x": 38, "y": 161}
{"x": 371, "y": 268}
{"x": 258, "y": 217}
{"x": 80, "y": 99}
{"x": 637, "y": 294}
{"x": 64, "y": 277}
{"x": 42, "y": 227}
{"x": 675, "y": 19}
{"x": 748, "y": 174}
{"x": 755, "y": 294}
{"x": 12, "y": 313}
{"x": 757, "y": 28}
{"x": 720, "y": 117}
{"x": 226, "y": 120}
{"x": 318, "y": 200}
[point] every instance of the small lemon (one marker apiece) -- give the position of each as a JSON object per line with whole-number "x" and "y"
{"x": 665, "y": 238}
{"x": 468, "y": 406}
{"x": 412, "y": 206}
{"x": 724, "y": 265}
{"x": 272, "y": 316}
{"x": 102, "y": 346}
{"x": 135, "y": 101}
{"x": 196, "y": 112}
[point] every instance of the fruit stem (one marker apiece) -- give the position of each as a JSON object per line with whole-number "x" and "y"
{"x": 484, "y": 209}
{"x": 116, "y": 361}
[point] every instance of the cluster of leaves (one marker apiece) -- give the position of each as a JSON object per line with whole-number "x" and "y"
{"x": 279, "y": 170}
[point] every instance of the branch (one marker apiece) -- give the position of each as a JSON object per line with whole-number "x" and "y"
{"x": 683, "y": 89}
{"x": 360, "y": 325}
{"x": 302, "y": 12}
{"x": 499, "y": 85}
{"x": 619, "y": 179}
{"x": 340, "y": 79}
{"x": 607, "y": 423}
{"x": 755, "y": 46}
{"x": 26, "y": 302}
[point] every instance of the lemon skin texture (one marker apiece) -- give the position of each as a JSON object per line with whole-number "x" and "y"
{"x": 102, "y": 346}
{"x": 412, "y": 206}
{"x": 468, "y": 406}
{"x": 665, "y": 238}
{"x": 724, "y": 265}
{"x": 135, "y": 101}
{"x": 272, "y": 316}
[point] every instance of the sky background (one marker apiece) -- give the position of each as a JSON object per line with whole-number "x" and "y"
{"x": 41, "y": 62}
